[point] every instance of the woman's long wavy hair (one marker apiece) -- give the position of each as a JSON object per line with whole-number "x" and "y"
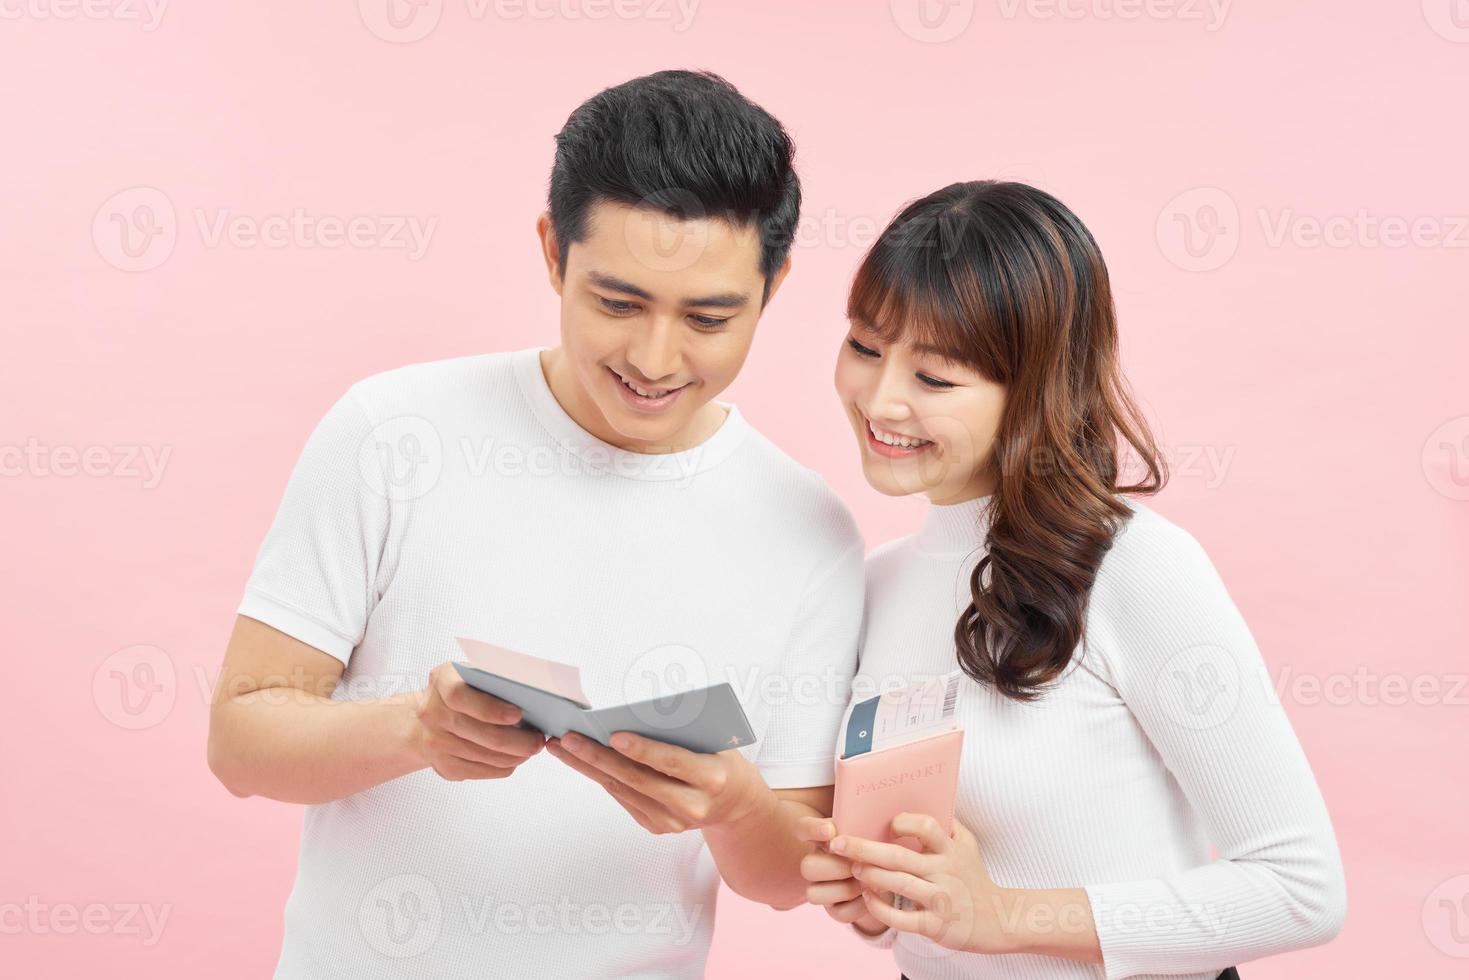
{"x": 1004, "y": 278}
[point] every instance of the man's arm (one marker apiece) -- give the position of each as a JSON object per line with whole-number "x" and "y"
{"x": 274, "y": 730}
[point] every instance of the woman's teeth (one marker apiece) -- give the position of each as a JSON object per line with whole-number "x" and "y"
{"x": 893, "y": 439}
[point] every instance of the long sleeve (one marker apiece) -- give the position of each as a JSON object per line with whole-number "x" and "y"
{"x": 1182, "y": 658}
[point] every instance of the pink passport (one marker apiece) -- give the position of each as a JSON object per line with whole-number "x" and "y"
{"x": 917, "y": 777}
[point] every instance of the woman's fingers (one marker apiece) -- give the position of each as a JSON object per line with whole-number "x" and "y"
{"x": 815, "y": 830}
{"x": 909, "y": 886}
{"x": 895, "y": 857}
{"x": 833, "y": 892}
{"x": 820, "y": 866}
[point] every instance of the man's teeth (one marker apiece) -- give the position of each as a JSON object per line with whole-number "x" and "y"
{"x": 649, "y": 392}
{"x": 893, "y": 439}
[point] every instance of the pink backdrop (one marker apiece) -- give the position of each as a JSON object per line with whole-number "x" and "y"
{"x": 209, "y": 231}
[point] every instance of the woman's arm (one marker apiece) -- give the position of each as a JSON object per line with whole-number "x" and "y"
{"x": 1180, "y": 655}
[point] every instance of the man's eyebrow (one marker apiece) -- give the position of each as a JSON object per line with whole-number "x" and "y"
{"x": 618, "y": 285}
{"x": 729, "y": 300}
{"x": 720, "y": 299}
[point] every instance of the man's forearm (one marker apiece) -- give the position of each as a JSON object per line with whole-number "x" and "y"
{"x": 287, "y": 744}
{"x": 759, "y": 856}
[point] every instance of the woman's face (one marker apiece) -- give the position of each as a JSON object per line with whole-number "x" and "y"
{"x": 924, "y": 424}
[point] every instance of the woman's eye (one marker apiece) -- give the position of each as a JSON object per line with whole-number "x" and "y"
{"x": 935, "y": 382}
{"x": 621, "y": 307}
{"x": 861, "y": 349}
{"x": 708, "y": 322}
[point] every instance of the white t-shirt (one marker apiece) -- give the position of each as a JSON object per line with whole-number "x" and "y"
{"x": 1163, "y": 737}
{"x": 457, "y": 498}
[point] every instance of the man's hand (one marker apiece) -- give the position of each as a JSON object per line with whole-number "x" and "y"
{"x": 463, "y": 733}
{"x": 665, "y": 788}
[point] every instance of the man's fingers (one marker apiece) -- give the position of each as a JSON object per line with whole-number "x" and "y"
{"x": 649, "y": 782}
{"x": 671, "y": 760}
{"x": 522, "y": 742}
{"x": 449, "y": 744}
{"x": 459, "y": 696}
{"x": 644, "y": 810}
{"x": 454, "y": 768}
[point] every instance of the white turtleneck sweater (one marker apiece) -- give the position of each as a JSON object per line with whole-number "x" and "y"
{"x": 1164, "y": 738}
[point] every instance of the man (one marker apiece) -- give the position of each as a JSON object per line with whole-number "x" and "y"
{"x": 590, "y": 503}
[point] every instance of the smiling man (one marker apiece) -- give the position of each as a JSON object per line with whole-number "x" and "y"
{"x": 614, "y": 515}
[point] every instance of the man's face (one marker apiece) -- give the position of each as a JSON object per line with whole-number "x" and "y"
{"x": 657, "y": 316}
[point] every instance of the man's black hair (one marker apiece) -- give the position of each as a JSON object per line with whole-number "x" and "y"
{"x": 684, "y": 142}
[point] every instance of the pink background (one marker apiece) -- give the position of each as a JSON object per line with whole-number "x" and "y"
{"x": 1312, "y": 394}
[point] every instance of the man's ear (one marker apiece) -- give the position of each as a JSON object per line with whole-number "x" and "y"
{"x": 776, "y": 280}
{"x": 550, "y": 250}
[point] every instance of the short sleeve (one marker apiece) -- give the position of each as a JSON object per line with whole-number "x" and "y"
{"x": 821, "y": 656}
{"x": 314, "y": 573}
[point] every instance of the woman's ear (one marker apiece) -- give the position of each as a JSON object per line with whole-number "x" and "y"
{"x": 550, "y": 250}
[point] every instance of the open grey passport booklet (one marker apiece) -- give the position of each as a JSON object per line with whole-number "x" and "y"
{"x": 550, "y": 698}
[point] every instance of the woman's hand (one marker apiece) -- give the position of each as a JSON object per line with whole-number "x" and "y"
{"x": 829, "y": 881}
{"x": 665, "y": 788}
{"x": 956, "y": 903}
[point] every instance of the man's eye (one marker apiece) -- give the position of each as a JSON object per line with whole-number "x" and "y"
{"x": 621, "y": 307}
{"x": 860, "y": 349}
{"x": 934, "y": 382}
{"x": 708, "y": 322}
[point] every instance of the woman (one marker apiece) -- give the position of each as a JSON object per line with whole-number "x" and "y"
{"x": 1118, "y": 717}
